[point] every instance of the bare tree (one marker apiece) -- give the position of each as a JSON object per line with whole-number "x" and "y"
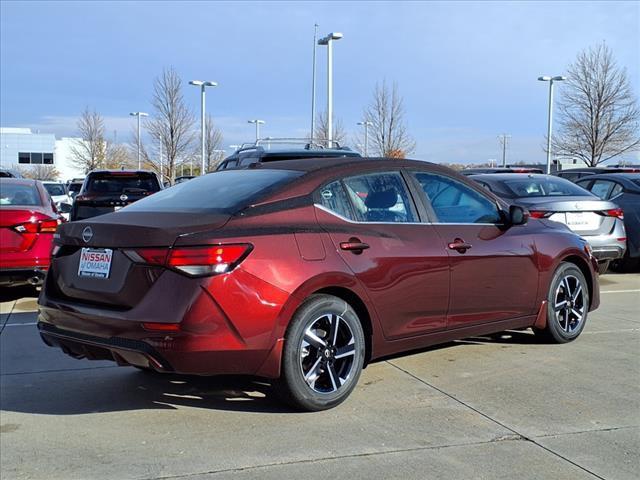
{"x": 212, "y": 144}
{"x": 598, "y": 113}
{"x": 40, "y": 172}
{"x": 89, "y": 151}
{"x": 321, "y": 133}
{"x": 388, "y": 135}
{"x": 172, "y": 121}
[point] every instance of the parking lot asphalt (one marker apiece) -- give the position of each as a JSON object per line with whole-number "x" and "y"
{"x": 503, "y": 407}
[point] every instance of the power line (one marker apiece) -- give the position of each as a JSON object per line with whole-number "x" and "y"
{"x": 504, "y": 141}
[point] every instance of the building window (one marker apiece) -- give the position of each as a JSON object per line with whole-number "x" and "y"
{"x": 35, "y": 158}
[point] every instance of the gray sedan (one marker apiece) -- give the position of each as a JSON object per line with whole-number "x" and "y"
{"x": 600, "y": 222}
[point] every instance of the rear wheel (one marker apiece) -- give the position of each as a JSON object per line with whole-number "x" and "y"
{"x": 568, "y": 305}
{"x": 323, "y": 354}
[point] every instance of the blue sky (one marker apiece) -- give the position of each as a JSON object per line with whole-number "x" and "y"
{"x": 466, "y": 70}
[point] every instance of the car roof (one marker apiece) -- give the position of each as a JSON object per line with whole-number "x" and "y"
{"x": 612, "y": 176}
{"x": 118, "y": 171}
{"x": 512, "y": 176}
{"x": 316, "y": 164}
{"x": 19, "y": 181}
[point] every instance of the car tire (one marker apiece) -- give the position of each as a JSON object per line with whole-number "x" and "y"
{"x": 323, "y": 354}
{"x": 567, "y": 305}
{"x": 603, "y": 267}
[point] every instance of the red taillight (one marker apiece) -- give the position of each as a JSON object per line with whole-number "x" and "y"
{"x": 38, "y": 226}
{"x": 614, "y": 212}
{"x": 161, "y": 327}
{"x": 194, "y": 261}
{"x": 538, "y": 213}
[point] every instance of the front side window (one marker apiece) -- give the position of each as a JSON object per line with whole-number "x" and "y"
{"x": 454, "y": 202}
{"x": 380, "y": 197}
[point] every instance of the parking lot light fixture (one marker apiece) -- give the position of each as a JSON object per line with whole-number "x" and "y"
{"x": 257, "y": 123}
{"x": 139, "y": 114}
{"x": 546, "y": 78}
{"x": 203, "y": 85}
{"x": 366, "y": 124}
{"x": 328, "y": 42}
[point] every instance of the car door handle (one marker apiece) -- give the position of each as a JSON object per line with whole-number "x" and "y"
{"x": 460, "y": 245}
{"x": 354, "y": 245}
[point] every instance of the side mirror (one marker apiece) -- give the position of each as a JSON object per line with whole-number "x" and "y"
{"x": 518, "y": 215}
{"x": 64, "y": 208}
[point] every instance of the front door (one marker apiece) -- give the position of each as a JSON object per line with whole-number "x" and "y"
{"x": 493, "y": 271}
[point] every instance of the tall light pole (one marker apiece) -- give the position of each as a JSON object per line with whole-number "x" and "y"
{"x": 313, "y": 84}
{"x": 549, "y": 79}
{"x": 139, "y": 114}
{"x": 202, "y": 85}
{"x": 258, "y": 123}
{"x": 328, "y": 41}
{"x": 366, "y": 124}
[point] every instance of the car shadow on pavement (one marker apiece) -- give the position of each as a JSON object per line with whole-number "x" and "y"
{"x": 99, "y": 390}
{"x": 9, "y": 294}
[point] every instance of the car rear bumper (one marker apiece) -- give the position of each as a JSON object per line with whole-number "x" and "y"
{"x": 226, "y": 335}
{"x": 14, "y": 277}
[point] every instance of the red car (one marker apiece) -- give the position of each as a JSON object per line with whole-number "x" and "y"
{"x": 28, "y": 221}
{"x": 304, "y": 271}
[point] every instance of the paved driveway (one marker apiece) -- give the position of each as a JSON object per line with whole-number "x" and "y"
{"x": 495, "y": 408}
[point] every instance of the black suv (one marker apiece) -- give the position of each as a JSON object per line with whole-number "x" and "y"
{"x": 105, "y": 191}
{"x": 258, "y": 152}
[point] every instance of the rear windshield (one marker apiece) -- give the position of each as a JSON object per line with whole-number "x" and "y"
{"x": 75, "y": 187}
{"x": 223, "y": 191}
{"x": 16, "y": 194}
{"x": 55, "y": 189}
{"x": 125, "y": 182}
{"x": 543, "y": 187}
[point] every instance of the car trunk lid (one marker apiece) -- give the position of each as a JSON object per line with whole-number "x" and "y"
{"x": 583, "y": 215}
{"x": 122, "y": 283}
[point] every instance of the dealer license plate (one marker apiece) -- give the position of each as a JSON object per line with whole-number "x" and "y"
{"x": 95, "y": 262}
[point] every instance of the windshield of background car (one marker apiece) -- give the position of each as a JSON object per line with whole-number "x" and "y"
{"x": 223, "y": 191}
{"x": 544, "y": 187}
{"x": 55, "y": 189}
{"x": 122, "y": 182}
{"x": 19, "y": 195}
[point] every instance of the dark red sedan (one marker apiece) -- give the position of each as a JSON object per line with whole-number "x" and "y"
{"x": 28, "y": 221}
{"x": 304, "y": 271}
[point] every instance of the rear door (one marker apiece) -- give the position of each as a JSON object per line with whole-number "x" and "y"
{"x": 494, "y": 275}
{"x": 375, "y": 228}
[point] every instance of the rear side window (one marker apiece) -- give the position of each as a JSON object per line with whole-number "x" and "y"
{"x": 334, "y": 197}
{"x": 55, "y": 189}
{"x": 380, "y": 197}
{"x": 125, "y": 182}
{"x": 223, "y": 191}
{"x": 19, "y": 194}
{"x": 454, "y": 202}
{"x": 601, "y": 188}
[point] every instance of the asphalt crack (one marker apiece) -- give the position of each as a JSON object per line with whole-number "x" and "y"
{"x": 488, "y": 417}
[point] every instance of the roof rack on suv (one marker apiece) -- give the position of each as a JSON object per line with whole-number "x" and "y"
{"x": 306, "y": 143}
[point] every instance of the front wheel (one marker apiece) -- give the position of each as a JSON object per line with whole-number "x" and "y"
{"x": 323, "y": 354}
{"x": 567, "y": 305}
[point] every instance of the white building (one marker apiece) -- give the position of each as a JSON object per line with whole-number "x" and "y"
{"x": 20, "y": 149}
